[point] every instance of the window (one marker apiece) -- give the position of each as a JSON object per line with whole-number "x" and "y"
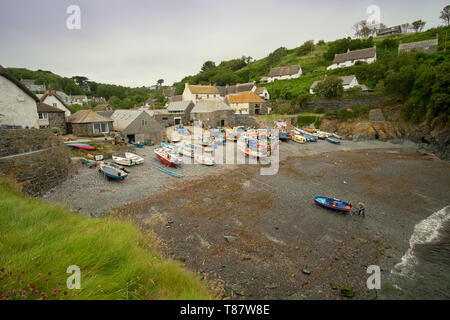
{"x": 54, "y": 104}
{"x": 101, "y": 128}
{"x": 144, "y": 122}
{"x": 43, "y": 116}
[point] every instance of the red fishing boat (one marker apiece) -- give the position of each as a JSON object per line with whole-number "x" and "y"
{"x": 167, "y": 158}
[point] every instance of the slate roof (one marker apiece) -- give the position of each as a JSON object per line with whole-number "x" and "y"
{"x": 284, "y": 71}
{"x": 210, "y": 106}
{"x": 245, "y": 97}
{"x": 53, "y": 93}
{"x": 355, "y": 55}
{"x": 87, "y": 116}
{"x": 5, "y": 73}
{"x": 180, "y": 106}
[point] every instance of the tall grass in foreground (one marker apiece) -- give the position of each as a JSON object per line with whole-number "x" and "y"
{"x": 38, "y": 241}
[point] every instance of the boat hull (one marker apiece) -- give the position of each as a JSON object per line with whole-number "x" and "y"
{"x": 83, "y": 147}
{"x": 333, "y": 141}
{"x": 332, "y": 204}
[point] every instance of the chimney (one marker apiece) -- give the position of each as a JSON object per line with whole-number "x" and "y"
{"x": 186, "y": 84}
{"x": 437, "y": 35}
{"x": 348, "y": 50}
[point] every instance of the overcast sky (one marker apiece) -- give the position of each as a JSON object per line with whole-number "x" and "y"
{"x": 137, "y": 42}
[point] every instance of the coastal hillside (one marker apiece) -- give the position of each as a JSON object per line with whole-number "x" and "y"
{"x": 40, "y": 241}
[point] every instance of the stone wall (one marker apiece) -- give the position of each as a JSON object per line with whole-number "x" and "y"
{"x": 214, "y": 119}
{"x": 334, "y": 104}
{"x": 87, "y": 129}
{"x": 246, "y": 121}
{"x": 37, "y": 159}
{"x": 57, "y": 120}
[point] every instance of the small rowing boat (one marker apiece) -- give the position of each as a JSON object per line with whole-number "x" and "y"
{"x": 332, "y": 140}
{"x": 134, "y": 158}
{"x": 333, "y": 204}
{"x": 298, "y": 138}
{"x": 82, "y": 146}
{"x": 175, "y": 174}
{"x": 207, "y": 161}
{"x": 122, "y": 161}
{"x": 112, "y": 172}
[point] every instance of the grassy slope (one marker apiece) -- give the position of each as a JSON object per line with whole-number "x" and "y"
{"x": 116, "y": 261}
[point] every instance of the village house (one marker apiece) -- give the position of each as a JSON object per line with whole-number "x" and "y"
{"x": 99, "y": 100}
{"x": 264, "y": 80}
{"x": 167, "y": 93}
{"x": 388, "y": 31}
{"x": 263, "y": 93}
{"x": 163, "y": 117}
{"x": 247, "y": 103}
{"x": 240, "y": 87}
{"x": 426, "y": 46}
{"x": 81, "y": 100}
{"x": 104, "y": 110}
{"x": 350, "y": 58}
{"x": 348, "y": 82}
{"x": 195, "y": 93}
{"x": 53, "y": 99}
{"x": 285, "y": 73}
{"x": 87, "y": 123}
{"x": 180, "y": 111}
{"x": 51, "y": 117}
{"x": 213, "y": 113}
{"x": 32, "y": 86}
{"x": 137, "y": 126}
{"x": 18, "y": 107}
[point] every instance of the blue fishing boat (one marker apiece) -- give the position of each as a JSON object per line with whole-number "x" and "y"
{"x": 331, "y": 140}
{"x": 310, "y": 138}
{"x": 113, "y": 172}
{"x": 284, "y": 136}
{"x": 333, "y": 204}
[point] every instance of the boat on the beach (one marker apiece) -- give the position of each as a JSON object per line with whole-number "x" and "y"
{"x": 83, "y": 146}
{"x": 332, "y": 140}
{"x": 205, "y": 160}
{"x": 112, "y": 172}
{"x": 167, "y": 158}
{"x": 134, "y": 157}
{"x": 310, "y": 138}
{"x": 298, "y": 138}
{"x": 333, "y": 204}
{"x": 122, "y": 161}
{"x": 336, "y": 136}
{"x": 175, "y": 174}
{"x": 284, "y": 135}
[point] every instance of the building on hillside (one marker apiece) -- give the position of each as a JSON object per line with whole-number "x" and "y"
{"x": 285, "y": 73}
{"x": 180, "y": 111}
{"x": 150, "y": 101}
{"x": 264, "y": 80}
{"x": 98, "y": 100}
{"x": 87, "y": 123}
{"x": 240, "y": 87}
{"x": 51, "y": 117}
{"x": 82, "y": 100}
{"x": 263, "y": 93}
{"x": 104, "y": 110}
{"x": 213, "y": 113}
{"x": 167, "y": 93}
{"x": 137, "y": 126}
{"x": 348, "y": 82}
{"x": 53, "y": 99}
{"x": 248, "y": 103}
{"x": 350, "y": 58}
{"x": 65, "y": 98}
{"x": 30, "y": 84}
{"x": 18, "y": 107}
{"x": 195, "y": 93}
{"x": 426, "y": 46}
{"x": 388, "y": 31}
{"x": 176, "y": 98}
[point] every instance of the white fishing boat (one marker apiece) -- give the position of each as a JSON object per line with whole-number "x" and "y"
{"x": 123, "y": 161}
{"x": 134, "y": 157}
{"x": 206, "y": 160}
{"x": 175, "y": 136}
{"x": 298, "y": 138}
{"x": 167, "y": 158}
{"x": 336, "y": 136}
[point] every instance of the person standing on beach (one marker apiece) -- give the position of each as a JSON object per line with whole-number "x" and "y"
{"x": 361, "y": 209}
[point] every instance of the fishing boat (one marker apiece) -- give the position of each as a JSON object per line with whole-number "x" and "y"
{"x": 186, "y": 149}
{"x": 284, "y": 135}
{"x": 298, "y": 138}
{"x": 122, "y": 161}
{"x": 175, "y": 174}
{"x": 112, "y": 172}
{"x": 82, "y": 146}
{"x": 310, "y": 130}
{"x": 167, "y": 158}
{"x": 207, "y": 161}
{"x": 175, "y": 137}
{"x": 333, "y": 204}
{"x": 336, "y": 136}
{"x": 332, "y": 140}
{"x": 134, "y": 157}
{"x": 310, "y": 138}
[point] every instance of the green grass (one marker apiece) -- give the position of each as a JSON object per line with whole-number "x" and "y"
{"x": 306, "y": 119}
{"x": 345, "y": 114}
{"x": 116, "y": 260}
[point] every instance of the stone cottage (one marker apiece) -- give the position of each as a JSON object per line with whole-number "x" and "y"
{"x": 137, "y": 126}
{"x": 51, "y": 117}
{"x": 17, "y": 103}
{"x": 248, "y": 103}
{"x": 180, "y": 112}
{"x": 213, "y": 113}
{"x": 285, "y": 73}
{"x": 87, "y": 123}
{"x": 52, "y": 98}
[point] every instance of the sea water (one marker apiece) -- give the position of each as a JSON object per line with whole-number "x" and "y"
{"x": 424, "y": 270}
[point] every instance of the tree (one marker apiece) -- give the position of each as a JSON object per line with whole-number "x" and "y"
{"x": 114, "y": 101}
{"x": 445, "y": 15}
{"x": 208, "y": 65}
{"x": 331, "y": 87}
{"x": 306, "y": 48}
{"x": 418, "y": 25}
{"x": 405, "y": 27}
{"x": 80, "y": 80}
{"x": 362, "y": 29}
{"x": 160, "y": 82}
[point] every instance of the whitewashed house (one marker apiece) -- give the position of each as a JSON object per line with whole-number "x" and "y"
{"x": 195, "y": 93}
{"x": 285, "y": 73}
{"x": 53, "y": 99}
{"x": 81, "y": 100}
{"x": 348, "y": 82}
{"x": 263, "y": 93}
{"x": 18, "y": 108}
{"x": 348, "y": 59}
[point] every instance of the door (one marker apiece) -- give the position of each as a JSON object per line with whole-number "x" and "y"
{"x": 177, "y": 121}
{"x": 131, "y": 138}
{"x": 222, "y": 123}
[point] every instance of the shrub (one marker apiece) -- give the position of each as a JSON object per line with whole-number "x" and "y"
{"x": 319, "y": 109}
{"x": 331, "y": 87}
